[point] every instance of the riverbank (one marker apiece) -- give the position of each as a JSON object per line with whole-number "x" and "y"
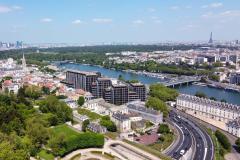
{"x": 229, "y": 96}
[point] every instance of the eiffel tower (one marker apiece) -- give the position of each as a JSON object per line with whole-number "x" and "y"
{"x": 210, "y": 40}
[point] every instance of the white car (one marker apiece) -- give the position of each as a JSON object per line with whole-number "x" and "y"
{"x": 182, "y": 152}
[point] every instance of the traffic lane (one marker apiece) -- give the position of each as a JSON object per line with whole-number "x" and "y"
{"x": 187, "y": 140}
{"x": 181, "y": 136}
{"x": 209, "y": 147}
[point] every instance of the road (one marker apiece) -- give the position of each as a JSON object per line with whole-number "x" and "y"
{"x": 234, "y": 153}
{"x": 190, "y": 136}
{"x": 204, "y": 147}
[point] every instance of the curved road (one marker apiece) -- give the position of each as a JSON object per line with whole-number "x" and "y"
{"x": 190, "y": 134}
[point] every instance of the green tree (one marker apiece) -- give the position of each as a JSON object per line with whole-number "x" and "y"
{"x": 222, "y": 138}
{"x": 213, "y": 98}
{"x": 46, "y": 90}
{"x": 110, "y": 125}
{"x": 37, "y": 132}
{"x": 81, "y": 101}
{"x": 223, "y": 100}
{"x": 163, "y": 93}
{"x": 121, "y": 78}
{"x": 58, "y": 143}
{"x": 52, "y": 105}
{"x": 157, "y": 104}
{"x": 163, "y": 129}
{"x": 85, "y": 124}
{"x": 33, "y": 92}
{"x": 200, "y": 94}
{"x": 237, "y": 142}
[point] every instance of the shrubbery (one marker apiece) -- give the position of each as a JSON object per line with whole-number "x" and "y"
{"x": 223, "y": 140}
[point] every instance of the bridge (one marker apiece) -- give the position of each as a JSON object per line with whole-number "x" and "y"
{"x": 180, "y": 81}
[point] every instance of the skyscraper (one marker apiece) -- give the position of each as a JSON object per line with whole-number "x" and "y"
{"x": 210, "y": 40}
{"x": 24, "y": 65}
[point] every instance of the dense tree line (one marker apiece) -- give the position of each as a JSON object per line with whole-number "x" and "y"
{"x": 159, "y": 94}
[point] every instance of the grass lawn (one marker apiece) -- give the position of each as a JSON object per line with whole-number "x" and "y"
{"x": 148, "y": 149}
{"x": 46, "y": 156}
{"x": 63, "y": 128}
{"x": 76, "y": 157}
{"x": 105, "y": 155}
{"x": 161, "y": 145}
{"x": 112, "y": 135}
{"x": 91, "y": 115}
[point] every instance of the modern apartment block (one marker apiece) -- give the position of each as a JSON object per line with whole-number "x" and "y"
{"x": 139, "y": 89}
{"x": 98, "y": 87}
{"x": 119, "y": 93}
{"x": 149, "y": 114}
{"x": 111, "y": 90}
{"x": 80, "y": 79}
{"x": 235, "y": 78}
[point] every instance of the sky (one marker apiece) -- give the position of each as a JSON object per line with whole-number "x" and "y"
{"x": 97, "y": 21}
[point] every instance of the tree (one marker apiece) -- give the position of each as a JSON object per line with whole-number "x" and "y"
{"x": 237, "y": 142}
{"x": 121, "y": 78}
{"x": 213, "y": 98}
{"x": 81, "y": 101}
{"x": 163, "y": 129}
{"x": 163, "y": 93}
{"x": 157, "y": 104}
{"x": 58, "y": 143}
{"x": 200, "y": 94}
{"x": 110, "y": 125}
{"x": 214, "y": 77}
{"x": 33, "y": 92}
{"x": 85, "y": 124}
{"x": 223, "y": 140}
{"x": 45, "y": 90}
{"x": 223, "y": 100}
{"x": 37, "y": 132}
{"x": 52, "y": 105}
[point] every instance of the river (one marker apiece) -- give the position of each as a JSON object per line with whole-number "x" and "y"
{"x": 229, "y": 96}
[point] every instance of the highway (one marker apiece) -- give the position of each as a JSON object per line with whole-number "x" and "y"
{"x": 190, "y": 134}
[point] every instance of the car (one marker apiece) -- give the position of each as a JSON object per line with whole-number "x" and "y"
{"x": 182, "y": 152}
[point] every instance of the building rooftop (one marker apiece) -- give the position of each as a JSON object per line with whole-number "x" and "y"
{"x": 207, "y": 102}
{"x": 234, "y": 123}
{"x": 83, "y": 72}
{"x": 139, "y": 106}
{"x": 120, "y": 116}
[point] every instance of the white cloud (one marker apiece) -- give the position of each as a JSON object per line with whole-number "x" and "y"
{"x": 174, "y": 7}
{"x": 5, "y": 9}
{"x": 152, "y": 10}
{"x": 230, "y": 13}
{"x": 17, "y": 7}
{"x": 77, "y": 21}
{"x": 102, "y": 20}
{"x": 156, "y": 19}
{"x": 139, "y": 21}
{"x": 46, "y": 20}
{"x": 213, "y": 5}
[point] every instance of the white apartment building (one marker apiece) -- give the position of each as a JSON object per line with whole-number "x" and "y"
{"x": 122, "y": 122}
{"x": 220, "y": 111}
{"x": 211, "y": 109}
{"x": 233, "y": 127}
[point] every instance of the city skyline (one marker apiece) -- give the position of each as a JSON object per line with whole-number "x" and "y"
{"x": 92, "y": 21}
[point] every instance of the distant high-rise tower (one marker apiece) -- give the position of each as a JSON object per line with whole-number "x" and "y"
{"x": 210, "y": 40}
{"x": 24, "y": 65}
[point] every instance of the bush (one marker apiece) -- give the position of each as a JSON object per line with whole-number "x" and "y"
{"x": 81, "y": 101}
{"x": 223, "y": 140}
{"x": 163, "y": 129}
{"x": 106, "y": 122}
{"x": 83, "y": 140}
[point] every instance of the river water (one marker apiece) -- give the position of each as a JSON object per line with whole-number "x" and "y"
{"x": 229, "y": 96}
